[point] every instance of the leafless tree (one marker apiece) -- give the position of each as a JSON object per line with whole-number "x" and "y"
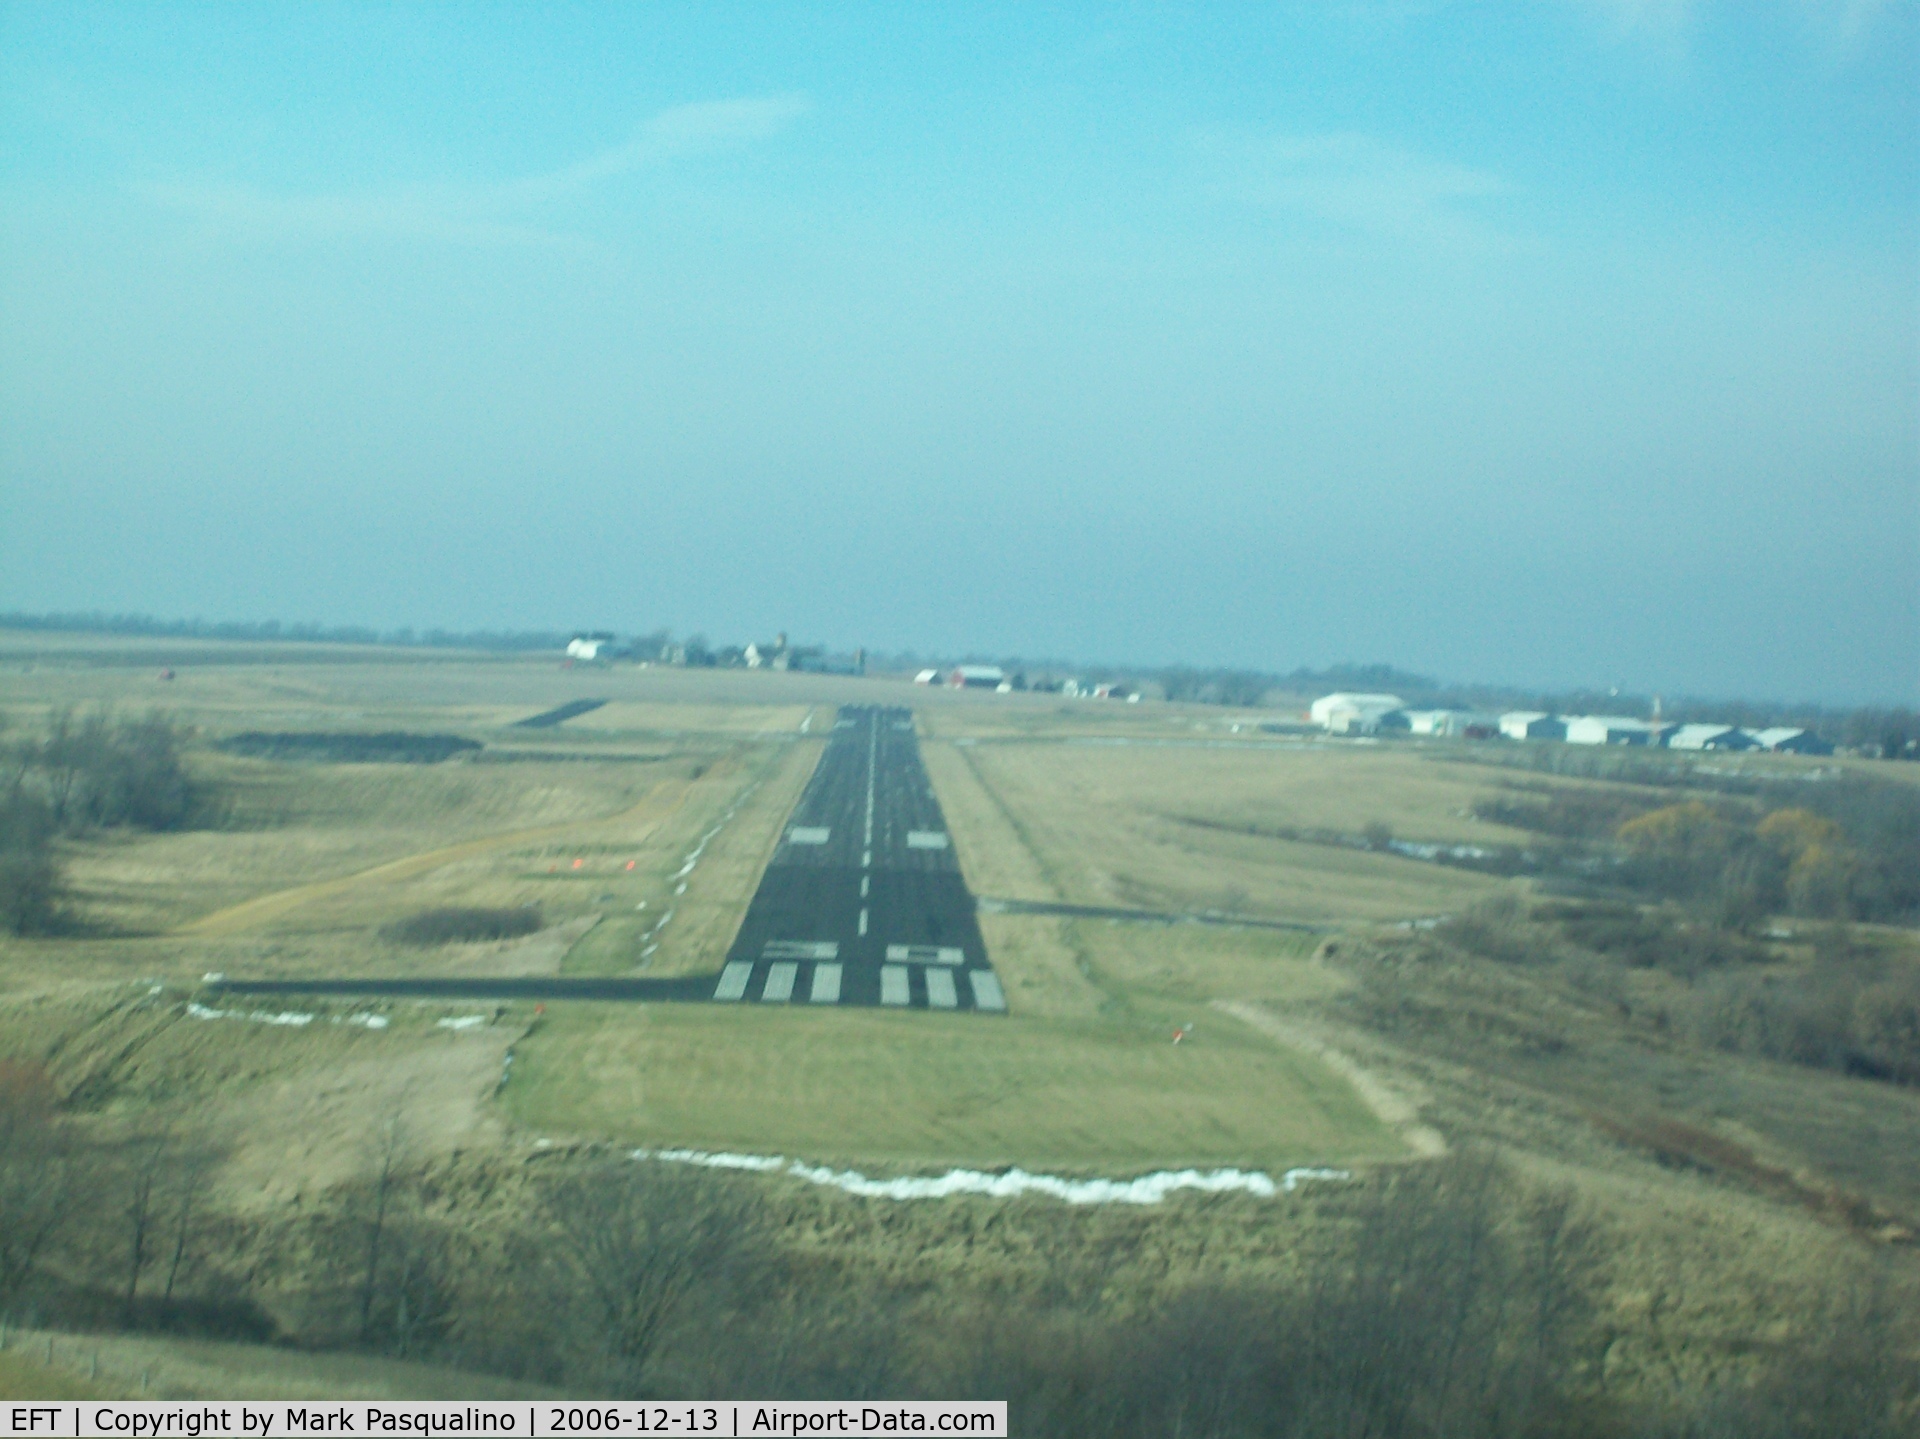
{"x": 36, "y": 1174}
{"x": 389, "y": 1150}
{"x": 640, "y": 1240}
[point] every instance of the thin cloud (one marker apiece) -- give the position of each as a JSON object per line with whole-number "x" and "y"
{"x": 489, "y": 213}
{"x": 1359, "y": 183}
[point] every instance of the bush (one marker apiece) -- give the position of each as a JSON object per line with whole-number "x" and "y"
{"x": 327, "y": 747}
{"x": 29, "y": 878}
{"x": 462, "y": 926}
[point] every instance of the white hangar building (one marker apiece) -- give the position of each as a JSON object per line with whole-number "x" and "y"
{"x": 1532, "y": 724}
{"x": 1609, "y": 729}
{"x": 1353, "y": 713}
{"x": 1709, "y": 736}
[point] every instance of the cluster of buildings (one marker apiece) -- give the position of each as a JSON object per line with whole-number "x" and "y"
{"x": 992, "y": 677}
{"x": 1360, "y": 714}
{"x": 600, "y": 647}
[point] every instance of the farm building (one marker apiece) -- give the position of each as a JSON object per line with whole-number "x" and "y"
{"x": 1610, "y": 729}
{"x": 1454, "y": 723}
{"x": 588, "y": 646}
{"x": 1532, "y": 724}
{"x": 1709, "y": 736}
{"x": 1787, "y": 740}
{"x": 775, "y": 656}
{"x": 927, "y": 677}
{"x": 977, "y": 677}
{"x": 1353, "y": 713}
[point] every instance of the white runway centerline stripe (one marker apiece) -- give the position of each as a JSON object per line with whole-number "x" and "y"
{"x": 826, "y": 984}
{"x": 779, "y": 986}
{"x": 863, "y": 921}
{"x": 808, "y": 835}
{"x": 987, "y": 993}
{"x": 733, "y": 981}
{"x": 926, "y": 839}
{"x": 864, "y": 882}
{"x": 893, "y": 984}
{"x": 940, "y": 993}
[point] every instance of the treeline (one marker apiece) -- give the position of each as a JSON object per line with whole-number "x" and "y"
{"x": 1676, "y": 869}
{"x": 1736, "y": 847}
{"x": 1448, "y": 1299}
{"x": 84, "y": 773}
{"x": 273, "y": 631}
{"x": 1848, "y": 1006}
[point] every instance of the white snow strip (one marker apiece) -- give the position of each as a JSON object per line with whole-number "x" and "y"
{"x": 465, "y": 1021}
{"x": 200, "y": 1011}
{"x": 1147, "y": 1189}
{"x": 370, "y": 1021}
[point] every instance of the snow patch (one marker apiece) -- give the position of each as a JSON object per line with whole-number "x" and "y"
{"x": 465, "y": 1021}
{"x": 1147, "y": 1189}
{"x": 200, "y": 1011}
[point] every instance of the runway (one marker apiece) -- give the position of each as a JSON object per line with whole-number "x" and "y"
{"x": 863, "y": 901}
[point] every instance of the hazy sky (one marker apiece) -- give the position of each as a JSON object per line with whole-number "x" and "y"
{"x": 1552, "y": 343}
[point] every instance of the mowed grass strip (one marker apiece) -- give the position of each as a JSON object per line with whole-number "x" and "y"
{"x": 923, "y": 1090}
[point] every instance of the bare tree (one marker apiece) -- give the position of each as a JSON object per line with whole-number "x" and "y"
{"x": 640, "y": 1240}
{"x": 142, "y": 1180}
{"x": 390, "y": 1148}
{"x": 36, "y": 1173}
{"x": 189, "y": 1180}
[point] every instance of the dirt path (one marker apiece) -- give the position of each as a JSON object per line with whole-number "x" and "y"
{"x": 659, "y": 804}
{"x": 1391, "y": 1107}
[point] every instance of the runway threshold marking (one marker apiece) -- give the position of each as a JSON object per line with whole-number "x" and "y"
{"x": 877, "y": 911}
{"x": 733, "y": 982}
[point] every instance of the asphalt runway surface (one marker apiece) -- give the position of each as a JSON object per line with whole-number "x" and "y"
{"x": 863, "y": 903}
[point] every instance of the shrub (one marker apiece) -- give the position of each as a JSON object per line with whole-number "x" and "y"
{"x": 462, "y": 926}
{"x": 29, "y": 878}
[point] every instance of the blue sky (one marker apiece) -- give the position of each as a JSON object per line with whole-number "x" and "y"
{"x": 1561, "y": 343}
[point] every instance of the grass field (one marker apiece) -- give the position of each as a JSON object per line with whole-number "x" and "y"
{"x": 1103, "y": 1087}
{"x": 640, "y": 830}
{"x": 596, "y": 821}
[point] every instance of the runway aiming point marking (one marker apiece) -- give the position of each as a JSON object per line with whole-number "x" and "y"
{"x": 864, "y": 858}
{"x": 925, "y": 954}
{"x": 940, "y": 993}
{"x": 801, "y": 949}
{"x": 733, "y": 981}
{"x": 893, "y": 984}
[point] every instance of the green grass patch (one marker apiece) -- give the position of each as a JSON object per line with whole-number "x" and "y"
{"x": 610, "y": 947}
{"x": 919, "y": 1090}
